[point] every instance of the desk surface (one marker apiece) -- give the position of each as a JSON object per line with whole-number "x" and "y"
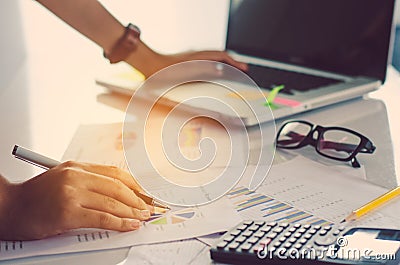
{"x": 43, "y": 105}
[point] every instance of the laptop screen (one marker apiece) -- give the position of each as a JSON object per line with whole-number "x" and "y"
{"x": 349, "y": 37}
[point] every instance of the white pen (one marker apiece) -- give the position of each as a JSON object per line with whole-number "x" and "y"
{"x": 34, "y": 158}
{"x": 47, "y": 163}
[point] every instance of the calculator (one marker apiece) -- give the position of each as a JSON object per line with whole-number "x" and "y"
{"x": 260, "y": 242}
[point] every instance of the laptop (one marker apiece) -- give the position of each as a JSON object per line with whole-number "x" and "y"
{"x": 323, "y": 52}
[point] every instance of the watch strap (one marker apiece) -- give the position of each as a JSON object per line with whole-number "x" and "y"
{"x": 125, "y": 45}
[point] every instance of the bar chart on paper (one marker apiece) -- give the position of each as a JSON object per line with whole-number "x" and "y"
{"x": 176, "y": 217}
{"x": 252, "y": 205}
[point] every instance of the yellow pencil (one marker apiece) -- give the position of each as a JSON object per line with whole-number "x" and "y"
{"x": 372, "y": 205}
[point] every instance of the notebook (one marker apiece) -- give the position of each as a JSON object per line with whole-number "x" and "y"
{"x": 323, "y": 52}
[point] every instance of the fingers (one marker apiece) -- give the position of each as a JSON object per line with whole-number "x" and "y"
{"x": 111, "y": 172}
{"x": 222, "y": 57}
{"x": 96, "y": 219}
{"x": 113, "y": 188}
{"x": 102, "y": 203}
{"x": 229, "y": 60}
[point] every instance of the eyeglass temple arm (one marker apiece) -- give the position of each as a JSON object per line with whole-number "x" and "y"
{"x": 369, "y": 148}
{"x": 296, "y": 137}
{"x": 355, "y": 163}
{"x": 349, "y": 148}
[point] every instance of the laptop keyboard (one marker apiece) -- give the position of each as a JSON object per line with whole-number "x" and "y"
{"x": 268, "y": 78}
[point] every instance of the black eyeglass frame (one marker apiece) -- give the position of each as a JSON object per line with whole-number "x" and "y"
{"x": 365, "y": 145}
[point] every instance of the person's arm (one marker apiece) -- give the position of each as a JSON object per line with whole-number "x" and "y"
{"x": 71, "y": 195}
{"x": 91, "y": 19}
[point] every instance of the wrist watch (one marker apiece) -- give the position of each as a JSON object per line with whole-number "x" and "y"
{"x": 125, "y": 45}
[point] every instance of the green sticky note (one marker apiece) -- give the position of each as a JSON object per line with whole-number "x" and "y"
{"x": 272, "y": 95}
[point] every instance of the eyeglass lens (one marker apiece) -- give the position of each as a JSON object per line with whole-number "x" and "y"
{"x": 292, "y": 134}
{"x": 338, "y": 143}
{"x": 333, "y": 143}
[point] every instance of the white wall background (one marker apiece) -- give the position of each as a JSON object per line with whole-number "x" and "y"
{"x": 65, "y": 61}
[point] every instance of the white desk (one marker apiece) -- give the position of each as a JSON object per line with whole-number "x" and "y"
{"x": 52, "y": 91}
{"x": 367, "y": 114}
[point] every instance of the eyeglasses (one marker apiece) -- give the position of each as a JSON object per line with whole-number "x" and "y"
{"x": 333, "y": 142}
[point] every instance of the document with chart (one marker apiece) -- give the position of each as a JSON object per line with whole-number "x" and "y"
{"x": 176, "y": 224}
{"x": 105, "y": 142}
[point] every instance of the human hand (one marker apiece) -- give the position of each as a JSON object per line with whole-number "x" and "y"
{"x": 220, "y": 56}
{"x": 72, "y": 195}
{"x": 149, "y": 62}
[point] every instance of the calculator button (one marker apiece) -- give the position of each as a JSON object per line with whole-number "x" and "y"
{"x": 287, "y": 245}
{"x": 242, "y": 227}
{"x": 235, "y": 232}
{"x": 296, "y": 225}
{"x": 301, "y": 231}
{"x": 278, "y": 230}
{"x": 292, "y": 229}
{"x": 240, "y": 239}
{"x": 312, "y": 231}
{"x": 272, "y": 235}
{"x": 287, "y": 234}
{"x": 325, "y": 241}
{"x": 284, "y": 225}
{"x": 245, "y": 247}
{"x": 336, "y": 232}
{"x": 322, "y": 232}
{"x": 282, "y": 239}
{"x": 265, "y": 229}
{"x": 253, "y": 240}
{"x": 277, "y": 244}
{"x": 248, "y": 222}
{"x": 258, "y": 248}
{"x": 259, "y": 234}
{"x": 308, "y": 236}
{"x": 233, "y": 246}
{"x": 292, "y": 240}
{"x": 254, "y": 228}
{"x": 228, "y": 238}
{"x": 327, "y": 227}
{"x": 303, "y": 241}
{"x": 307, "y": 226}
{"x": 317, "y": 227}
{"x": 265, "y": 242}
{"x": 272, "y": 224}
{"x": 222, "y": 245}
{"x": 259, "y": 223}
{"x": 247, "y": 233}
{"x": 297, "y": 235}
{"x": 297, "y": 246}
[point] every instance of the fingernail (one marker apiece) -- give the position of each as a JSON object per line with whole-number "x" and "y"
{"x": 135, "y": 224}
{"x": 145, "y": 214}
